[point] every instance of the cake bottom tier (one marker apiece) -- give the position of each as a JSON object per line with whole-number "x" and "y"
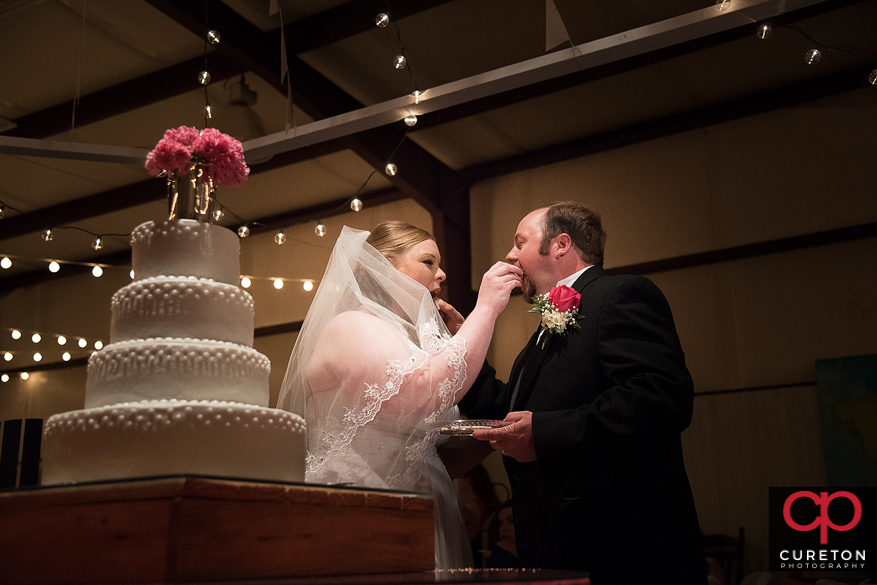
{"x": 170, "y": 437}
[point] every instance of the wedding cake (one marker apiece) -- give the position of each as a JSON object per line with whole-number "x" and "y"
{"x": 179, "y": 389}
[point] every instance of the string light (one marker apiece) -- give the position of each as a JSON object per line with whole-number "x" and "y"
{"x": 278, "y": 283}
{"x": 2, "y": 210}
{"x": 98, "y": 344}
{"x": 813, "y": 56}
{"x": 308, "y": 285}
{"x": 208, "y": 112}
{"x": 320, "y": 230}
{"x": 872, "y": 79}
{"x": 382, "y": 20}
{"x": 66, "y": 356}
{"x": 391, "y": 169}
{"x": 36, "y": 338}
{"x": 410, "y": 120}
{"x": 723, "y": 4}
{"x": 82, "y": 342}
{"x": 16, "y": 334}
{"x": 356, "y": 204}
{"x": 37, "y": 357}
{"x": 246, "y": 282}
{"x": 25, "y": 375}
{"x": 6, "y": 263}
{"x": 243, "y": 231}
{"x": 204, "y": 77}
{"x": 213, "y": 37}
{"x": 218, "y": 214}
{"x": 280, "y": 238}
{"x": 4, "y": 378}
{"x": 400, "y": 61}
{"x": 417, "y": 95}
{"x": 54, "y": 266}
{"x": 62, "y": 340}
{"x": 97, "y": 271}
{"x": 7, "y": 356}
{"x": 764, "y": 31}
{"x": 47, "y": 235}
{"x": 98, "y": 243}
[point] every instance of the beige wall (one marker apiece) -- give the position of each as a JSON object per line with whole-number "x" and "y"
{"x": 749, "y": 323}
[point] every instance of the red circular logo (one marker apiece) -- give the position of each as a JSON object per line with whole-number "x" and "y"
{"x": 822, "y": 521}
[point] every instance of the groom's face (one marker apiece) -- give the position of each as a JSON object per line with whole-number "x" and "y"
{"x": 525, "y": 254}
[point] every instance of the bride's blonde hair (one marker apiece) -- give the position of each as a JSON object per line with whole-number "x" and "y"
{"x": 392, "y": 237}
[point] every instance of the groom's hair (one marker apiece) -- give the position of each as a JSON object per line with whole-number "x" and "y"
{"x": 584, "y": 227}
{"x": 392, "y": 238}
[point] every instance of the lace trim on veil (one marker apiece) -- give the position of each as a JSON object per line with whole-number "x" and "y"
{"x": 417, "y": 447}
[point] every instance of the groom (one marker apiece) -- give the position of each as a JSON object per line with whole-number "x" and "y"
{"x": 594, "y": 454}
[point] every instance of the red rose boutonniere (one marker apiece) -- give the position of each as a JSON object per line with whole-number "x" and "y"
{"x": 559, "y": 309}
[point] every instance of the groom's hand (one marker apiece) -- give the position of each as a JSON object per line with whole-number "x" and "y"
{"x": 451, "y": 316}
{"x": 515, "y": 439}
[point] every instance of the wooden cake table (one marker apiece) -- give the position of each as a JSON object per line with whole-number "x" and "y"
{"x": 185, "y": 529}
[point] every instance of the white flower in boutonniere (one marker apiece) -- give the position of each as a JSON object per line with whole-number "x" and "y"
{"x": 559, "y": 309}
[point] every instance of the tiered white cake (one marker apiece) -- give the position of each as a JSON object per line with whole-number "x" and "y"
{"x": 179, "y": 390}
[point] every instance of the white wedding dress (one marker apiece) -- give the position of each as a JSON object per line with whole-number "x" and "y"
{"x": 373, "y": 371}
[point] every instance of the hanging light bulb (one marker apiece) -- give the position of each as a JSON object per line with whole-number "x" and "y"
{"x": 82, "y": 342}
{"x": 2, "y": 210}
{"x": 308, "y": 285}
{"x": 37, "y": 357}
{"x": 25, "y": 375}
{"x": 131, "y": 274}
{"x": 47, "y": 235}
{"x": 400, "y": 61}
{"x": 391, "y": 169}
{"x": 278, "y": 283}
{"x": 280, "y": 238}
{"x": 5, "y": 263}
{"x": 245, "y": 282}
{"x": 243, "y": 231}
{"x": 208, "y": 111}
{"x": 7, "y": 356}
{"x": 356, "y": 204}
{"x": 417, "y": 95}
{"x": 410, "y": 120}
{"x": 218, "y": 214}
{"x": 872, "y": 79}
{"x": 66, "y": 356}
{"x": 98, "y": 344}
{"x": 62, "y": 340}
{"x": 4, "y": 378}
{"x": 813, "y": 56}
{"x": 764, "y": 31}
{"x": 382, "y": 19}
{"x": 723, "y": 4}
{"x": 213, "y": 37}
{"x": 36, "y": 338}
{"x": 97, "y": 271}
{"x": 204, "y": 78}
{"x": 16, "y": 334}
{"x": 320, "y": 230}
{"x": 54, "y": 266}
{"x": 98, "y": 243}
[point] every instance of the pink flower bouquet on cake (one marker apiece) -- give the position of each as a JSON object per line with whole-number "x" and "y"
{"x": 184, "y": 150}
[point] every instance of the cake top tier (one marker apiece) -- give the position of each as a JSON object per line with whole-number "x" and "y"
{"x": 186, "y": 247}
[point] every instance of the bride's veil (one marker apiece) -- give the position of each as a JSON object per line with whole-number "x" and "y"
{"x": 359, "y": 278}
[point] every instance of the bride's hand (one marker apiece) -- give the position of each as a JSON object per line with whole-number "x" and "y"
{"x": 451, "y": 316}
{"x": 497, "y": 285}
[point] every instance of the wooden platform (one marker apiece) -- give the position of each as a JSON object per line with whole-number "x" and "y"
{"x": 180, "y": 529}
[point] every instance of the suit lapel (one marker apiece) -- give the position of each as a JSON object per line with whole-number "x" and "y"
{"x": 530, "y": 364}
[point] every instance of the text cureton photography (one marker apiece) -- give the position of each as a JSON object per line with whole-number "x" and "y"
{"x": 822, "y": 528}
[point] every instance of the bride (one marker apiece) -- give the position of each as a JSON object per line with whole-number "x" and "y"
{"x": 375, "y": 369}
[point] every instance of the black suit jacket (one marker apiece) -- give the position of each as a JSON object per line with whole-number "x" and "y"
{"x": 608, "y": 492}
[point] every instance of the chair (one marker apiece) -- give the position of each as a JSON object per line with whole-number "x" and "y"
{"x": 728, "y": 552}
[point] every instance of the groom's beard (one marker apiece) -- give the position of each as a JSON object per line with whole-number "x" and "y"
{"x": 529, "y": 289}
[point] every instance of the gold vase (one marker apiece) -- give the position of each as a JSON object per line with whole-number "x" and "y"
{"x": 191, "y": 196}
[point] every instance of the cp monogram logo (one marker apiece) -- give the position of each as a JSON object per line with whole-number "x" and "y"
{"x": 822, "y": 521}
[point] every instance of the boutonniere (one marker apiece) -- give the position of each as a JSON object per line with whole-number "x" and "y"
{"x": 559, "y": 309}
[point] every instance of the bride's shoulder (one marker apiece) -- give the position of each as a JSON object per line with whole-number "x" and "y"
{"x": 351, "y": 322}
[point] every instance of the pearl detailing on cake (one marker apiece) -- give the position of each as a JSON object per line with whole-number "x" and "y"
{"x": 195, "y": 369}
{"x": 183, "y": 306}
{"x": 186, "y": 247}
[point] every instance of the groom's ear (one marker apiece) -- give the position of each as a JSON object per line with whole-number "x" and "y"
{"x": 562, "y": 245}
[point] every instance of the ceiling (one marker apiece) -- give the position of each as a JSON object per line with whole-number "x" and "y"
{"x": 495, "y": 101}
